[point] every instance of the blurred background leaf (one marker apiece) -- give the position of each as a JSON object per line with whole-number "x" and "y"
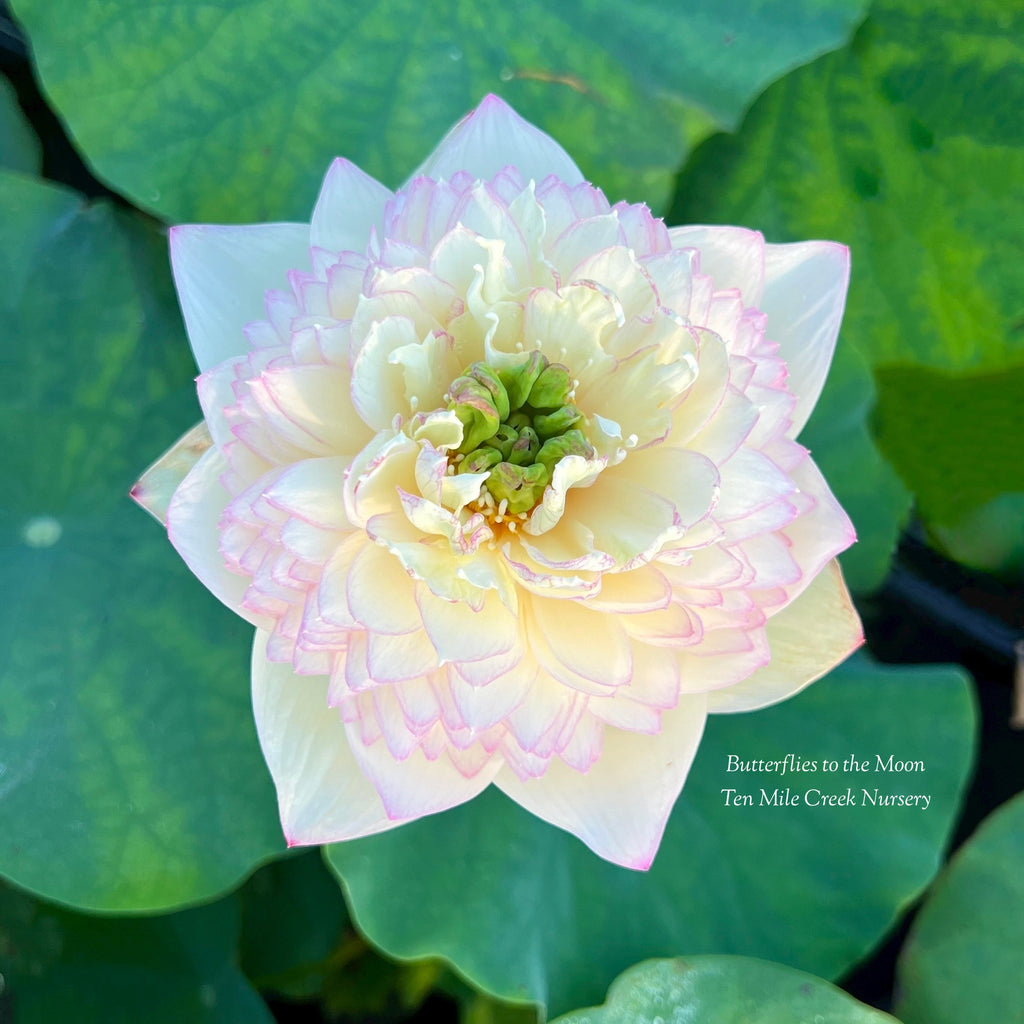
{"x": 19, "y": 147}
{"x": 293, "y": 923}
{"x": 227, "y": 112}
{"x": 961, "y": 964}
{"x": 62, "y": 966}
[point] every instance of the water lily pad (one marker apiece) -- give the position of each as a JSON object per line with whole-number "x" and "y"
{"x": 527, "y": 912}
{"x": 103, "y": 970}
{"x": 232, "y": 111}
{"x": 130, "y": 774}
{"x": 726, "y": 990}
{"x": 19, "y": 147}
{"x": 961, "y": 964}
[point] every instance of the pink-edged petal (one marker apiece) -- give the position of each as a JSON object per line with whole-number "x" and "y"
{"x": 460, "y": 632}
{"x": 804, "y": 295}
{"x": 311, "y": 490}
{"x": 620, "y": 807}
{"x": 380, "y": 593}
{"x": 155, "y": 488}
{"x": 417, "y": 785}
{"x": 192, "y": 526}
{"x": 322, "y": 794}
{"x": 588, "y": 644}
{"x": 223, "y": 274}
{"x": 820, "y": 533}
{"x": 807, "y": 639}
{"x": 731, "y": 257}
{"x": 349, "y": 205}
{"x": 493, "y": 137}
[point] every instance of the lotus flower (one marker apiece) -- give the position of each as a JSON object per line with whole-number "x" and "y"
{"x": 506, "y": 478}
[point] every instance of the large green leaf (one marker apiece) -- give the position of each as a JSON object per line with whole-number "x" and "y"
{"x": 232, "y": 111}
{"x": 62, "y": 966}
{"x": 961, "y": 964}
{"x": 526, "y": 911}
{"x": 724, "y": 990}
{"x": 865, "y": 484}
{"x": 131, "y": 776}
{"x": 19, "y": 147}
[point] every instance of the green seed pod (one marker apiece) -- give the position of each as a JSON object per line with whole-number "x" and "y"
{"x": 521, "y": 487}
{"x": 480, "y": 461}
{"x": 484, "y": 375}
{"x": 519, "y": 421}
{"x": 558, "y": 422}
{"x": 475, "y": 408}
{"x": 519, "y": 380}
{"x": 551, "y": 391}
{"x": 503, "y": 440}
{"x": 572, "y": 442}
{"x": 524, "y": 451}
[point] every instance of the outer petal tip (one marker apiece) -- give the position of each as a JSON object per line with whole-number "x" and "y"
{"x": 804, "y": 298}
{"x": 349, "y": 206}
{"x": 155, "y": 488}
{"x": 494, "y": 136}
{"x": 223, "y": 272}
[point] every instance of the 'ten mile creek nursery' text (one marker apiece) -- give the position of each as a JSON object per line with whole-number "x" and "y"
{"x": 815, "y": 796}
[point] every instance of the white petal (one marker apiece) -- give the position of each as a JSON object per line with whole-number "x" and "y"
{"x": 322, "y": 795}
{"x": 804, "y": 295}
{"x": 192, "y": 518}
{"x": 807, "y": 639}
{"x": 731, "y": 257}
{"x": 493, "y": 137}
{"x": 349, "y": 205}
{"x": 620, "y": 807}
{"x": 223, "y": 274}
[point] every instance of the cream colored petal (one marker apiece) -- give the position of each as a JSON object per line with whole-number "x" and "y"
{"x": 322, "y": 794}
{"x": 807, "y": 639}
{"x": 417, "y": 786}
{"x": 620, "y": 807}
{"x": 192, "y": 526}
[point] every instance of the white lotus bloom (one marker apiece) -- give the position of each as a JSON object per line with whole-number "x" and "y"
{"x": 506, "y": 478}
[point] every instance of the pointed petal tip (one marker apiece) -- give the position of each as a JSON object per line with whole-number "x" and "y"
{"x": 494, "y": 136}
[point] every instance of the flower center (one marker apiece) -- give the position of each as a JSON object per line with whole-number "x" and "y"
{"x": 518, "y": 424}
